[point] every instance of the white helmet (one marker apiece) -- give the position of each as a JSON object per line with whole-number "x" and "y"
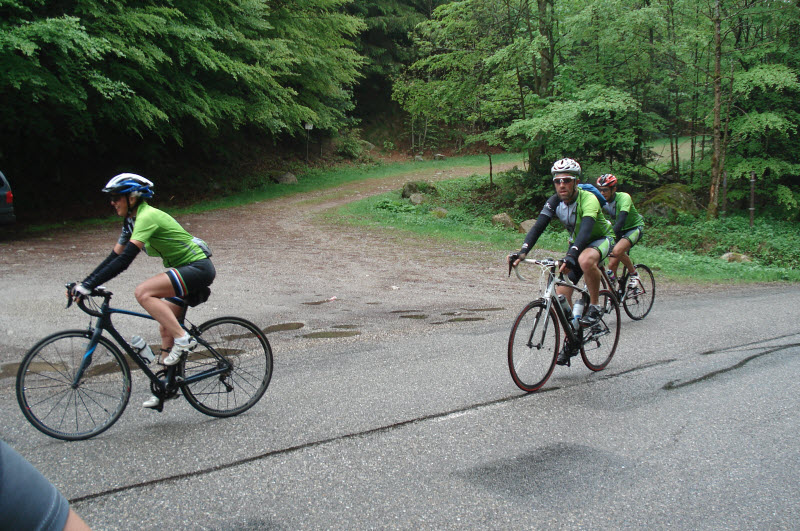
{"x": 566, "y": 166}
{"x": 130, "y": 183}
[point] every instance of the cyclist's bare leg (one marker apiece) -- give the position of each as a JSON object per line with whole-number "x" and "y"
{"x": 588, "y": 260}
{"x": 150, "y": 294}
{"x": 566, "y": 292}
{"x": 620, "y": 253}
{"x": 167, "y": 340}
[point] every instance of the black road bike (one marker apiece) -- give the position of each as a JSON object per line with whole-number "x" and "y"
{"x": 75, "y": 384}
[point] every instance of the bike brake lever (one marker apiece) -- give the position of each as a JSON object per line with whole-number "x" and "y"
{"x": 511, "y": 259}
{"x": 69, "y": 294}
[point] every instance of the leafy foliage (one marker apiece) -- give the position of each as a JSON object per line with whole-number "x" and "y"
{"x": 598, "y": 80}
{"x": 90, "y": 77}
{"x": 768, "y": 242}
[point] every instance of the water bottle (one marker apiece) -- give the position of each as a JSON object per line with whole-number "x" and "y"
{"x": 142, "y": 349}
{"x": 562, "y": 301}
{"x": 577, "y": 312}
{"x": 611, "y": 276}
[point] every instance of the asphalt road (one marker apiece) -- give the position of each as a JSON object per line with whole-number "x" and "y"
{"x": 391, "y": 405}
{"x": 692, "y": 426}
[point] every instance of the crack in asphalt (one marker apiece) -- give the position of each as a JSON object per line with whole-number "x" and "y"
{"x": 348, "y": 436}
{"x": 299, "y": 447}
{"x": 669, "y": 386}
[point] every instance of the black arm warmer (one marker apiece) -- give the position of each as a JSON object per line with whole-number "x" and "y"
{"x": 534, "y": 233}
{"x": 583, "y": 237}
{"x": 104, "y": 263}
{"x": 621, "y": 218}
{"x": 112, "y": 266}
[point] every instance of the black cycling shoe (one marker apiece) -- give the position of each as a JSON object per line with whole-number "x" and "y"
{"x": 592, "y": 315}
{"x": 566, "y": 353}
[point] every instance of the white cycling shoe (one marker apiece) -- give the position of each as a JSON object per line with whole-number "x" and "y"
{"x": 152, "y": 402}
{"x": 178, "y": 350}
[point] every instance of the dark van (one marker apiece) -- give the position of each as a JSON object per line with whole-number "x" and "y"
{"x": 6, "y": 202}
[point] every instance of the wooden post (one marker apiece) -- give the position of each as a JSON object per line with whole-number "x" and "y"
{"x": 308, "y": 127}
{"x": 752, "y": 195}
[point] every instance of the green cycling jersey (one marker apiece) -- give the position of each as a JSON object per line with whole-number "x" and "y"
{"x": 622, "y": 202}
{"x": 163, "y": 236}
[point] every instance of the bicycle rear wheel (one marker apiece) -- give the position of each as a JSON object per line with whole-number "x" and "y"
{"x": 236, "y": 390}
{"x": 533, "y": 346}
{"x": 600, "y": 340}
{"x": 56, "y": 407}
{"x": 639, "y": 299}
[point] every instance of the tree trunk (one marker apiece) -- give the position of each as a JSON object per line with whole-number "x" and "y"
{"x": 716, "y": 152}
{"x": 548, "y": 51}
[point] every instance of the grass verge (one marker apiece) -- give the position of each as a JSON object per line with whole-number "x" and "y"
{"x": 450, "y": 215}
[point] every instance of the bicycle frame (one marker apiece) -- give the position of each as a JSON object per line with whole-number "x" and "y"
{"x": 619, "y": 294}
{"x": 549, "y": 295}
{"x": 104, "y": 323}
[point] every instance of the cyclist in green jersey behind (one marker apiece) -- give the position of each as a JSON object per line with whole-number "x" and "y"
{"x": 590, "y": 241}
{"x": 628, "y": 224}
{"x": 166, "y": 295}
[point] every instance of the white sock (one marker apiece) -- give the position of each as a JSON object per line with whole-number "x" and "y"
{"x": 184, "y": 340}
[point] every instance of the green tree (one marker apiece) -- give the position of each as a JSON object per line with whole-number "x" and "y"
{"x": 88, "y": 77}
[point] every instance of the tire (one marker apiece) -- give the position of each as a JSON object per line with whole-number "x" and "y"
{"x": 532, "y": 364}
{"x": 233, "y": 392}
{"x": 46, "y": 395}
{"x": 600, "y": 340}
{"x": 639, "y": 301}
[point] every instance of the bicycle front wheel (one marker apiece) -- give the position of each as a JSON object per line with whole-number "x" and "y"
{"x": 58, "y": 405}
{"x": 238, "y": 388}
{"x": 600, "y": 340}
{"x": 533, "y": 346}
{"x": 639, "y": 299}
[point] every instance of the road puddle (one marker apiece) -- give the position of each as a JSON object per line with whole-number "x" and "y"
{"x": 9, "y": 370}
{"x": 317, "y": 303}
{"x": 282, "y": 327}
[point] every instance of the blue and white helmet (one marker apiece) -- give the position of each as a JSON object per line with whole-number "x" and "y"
{"x": 130, "y": 183}
{"x": 568, "y": 166}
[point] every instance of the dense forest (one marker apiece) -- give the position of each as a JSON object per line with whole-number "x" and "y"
{"x": 202, "y": 95}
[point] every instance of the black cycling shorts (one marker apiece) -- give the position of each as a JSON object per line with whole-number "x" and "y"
{"x": 191, "y": 282}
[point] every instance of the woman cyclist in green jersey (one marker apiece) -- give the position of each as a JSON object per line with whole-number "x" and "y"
{"x": 628, "y": 224}
{"x": 166, "y": 295}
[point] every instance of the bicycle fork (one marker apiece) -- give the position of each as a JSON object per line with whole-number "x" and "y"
{"x": 87, "y": 357}
{"x": 566, "y": 325}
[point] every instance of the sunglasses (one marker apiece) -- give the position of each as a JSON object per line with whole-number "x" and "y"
{"x": 115, "y": 198}
{"x": 563, "y": 180}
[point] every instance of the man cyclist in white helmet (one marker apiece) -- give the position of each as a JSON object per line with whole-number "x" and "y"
{"x": 166, "y": 295}
{"x": 591, "y": 239}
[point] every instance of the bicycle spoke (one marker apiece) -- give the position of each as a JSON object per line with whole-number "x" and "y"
{"x": 49, "y": 401}
{"x": 244, "y": 348}
{"x": 531, "y": 364}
